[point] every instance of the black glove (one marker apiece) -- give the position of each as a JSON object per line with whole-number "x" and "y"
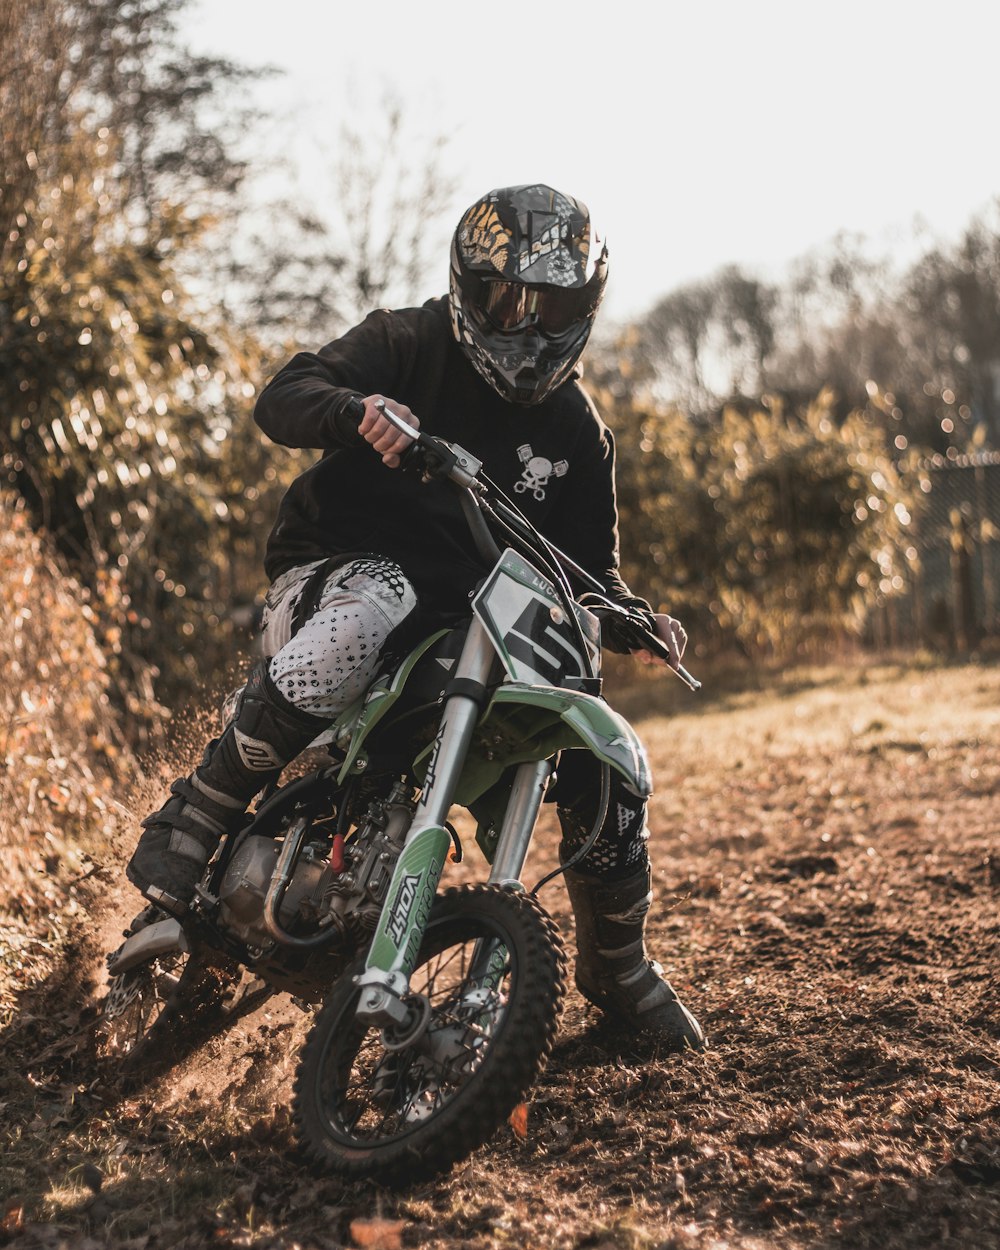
{"x": 625, "y": 627}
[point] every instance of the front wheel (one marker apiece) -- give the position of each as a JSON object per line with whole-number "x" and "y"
{"x": 490, "y": 979}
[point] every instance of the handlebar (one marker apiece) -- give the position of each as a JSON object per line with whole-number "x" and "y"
{"x": 435, "y": 458}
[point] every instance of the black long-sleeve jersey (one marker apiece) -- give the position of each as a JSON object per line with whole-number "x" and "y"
{"x": 555, "y": 459}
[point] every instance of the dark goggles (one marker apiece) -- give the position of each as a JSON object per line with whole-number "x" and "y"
{"x": 551, "y": 309}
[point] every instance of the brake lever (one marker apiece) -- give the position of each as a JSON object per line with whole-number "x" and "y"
{"x": 433, "y": 457}
{"x": 636, "y": 632}
{"x": 650, "y": 642}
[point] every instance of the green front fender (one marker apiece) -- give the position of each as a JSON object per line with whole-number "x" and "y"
{"x": 525, "y": 722}
{"x": 599, "y": 727}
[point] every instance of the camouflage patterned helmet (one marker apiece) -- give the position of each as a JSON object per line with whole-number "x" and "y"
{"x": 527, "y": 275}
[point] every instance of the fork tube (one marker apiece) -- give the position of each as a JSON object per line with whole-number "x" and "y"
{"x": 489, "y": 958}
{"x": 415, "y": 878}
{"x": 459, "y": 720}
{"x": 526, "y": 796}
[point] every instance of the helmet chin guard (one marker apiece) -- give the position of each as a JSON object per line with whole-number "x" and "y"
{"x": 527, "y": 275}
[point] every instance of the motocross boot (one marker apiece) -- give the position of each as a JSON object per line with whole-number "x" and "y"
{"x": 613, "y": 970}
{"x": 178, "y": 841}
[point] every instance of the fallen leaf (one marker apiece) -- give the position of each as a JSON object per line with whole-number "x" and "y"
{"x": 378, "y": 1234}
{"x": 519, "y": 1121}
{"x": 13, "y": 1218}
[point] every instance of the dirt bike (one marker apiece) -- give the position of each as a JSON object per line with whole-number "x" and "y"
{"x": 439, "y": 1009}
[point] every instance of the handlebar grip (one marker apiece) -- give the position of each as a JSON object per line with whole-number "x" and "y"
{"x": 354, "y": 410}
{"x": 413, "y": 460}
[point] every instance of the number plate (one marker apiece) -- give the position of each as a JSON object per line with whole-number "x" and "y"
{"x": 528, "y": 625}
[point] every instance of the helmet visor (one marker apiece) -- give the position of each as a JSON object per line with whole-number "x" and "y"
{"x": 552, "y": 310}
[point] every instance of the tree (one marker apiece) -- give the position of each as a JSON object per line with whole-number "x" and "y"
{"x": 124, "y": 399}
{"x": 707, "y": 340}
{"x": 307, "y": 272}
{"x": 391, "y": 207}
{"x": 673, "y": 342}
{"x": 954, "y": 296}
{"x": 746, "y": 308}
{"x": 917, "y": 350}
{"x": 760, "y": 527}
{"x": 117, "y": 394}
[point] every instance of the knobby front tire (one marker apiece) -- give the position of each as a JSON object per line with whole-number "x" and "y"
{"x": 366, "y": 1110}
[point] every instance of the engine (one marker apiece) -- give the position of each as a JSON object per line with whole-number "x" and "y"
{"x": 248, "y": 879}
{"x": 355, "y": 896}
{"x": 343, "y": 903}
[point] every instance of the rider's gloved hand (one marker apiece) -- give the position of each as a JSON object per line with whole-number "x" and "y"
{"x": 389, "y": 442}
{"x": 674, "y": 637}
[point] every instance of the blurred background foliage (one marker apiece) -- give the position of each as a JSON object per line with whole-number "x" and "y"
{"x": 770, "y": 434}
{"x": 63, "y": 764}
{"x": 762, "y": 526}
{"x": 125, "y": 406}
{"x": 126, "y": 380}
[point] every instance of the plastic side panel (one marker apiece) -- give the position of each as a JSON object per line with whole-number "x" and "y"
{"x": 378, "y": 701}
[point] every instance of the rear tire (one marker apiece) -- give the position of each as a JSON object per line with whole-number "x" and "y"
{"x": 157, "y": 1014}
{"x": 365, "y": 1110}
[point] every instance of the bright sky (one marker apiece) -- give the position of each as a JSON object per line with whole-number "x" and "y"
{"x": 698, "y": 133}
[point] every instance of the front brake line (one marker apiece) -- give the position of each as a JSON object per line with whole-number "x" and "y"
{"x": 595, "y": 833}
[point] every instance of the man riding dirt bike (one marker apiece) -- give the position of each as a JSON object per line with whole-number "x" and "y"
{"x": 365, "y": 559}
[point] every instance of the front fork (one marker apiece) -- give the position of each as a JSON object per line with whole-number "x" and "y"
{"x": 412, "y": 890}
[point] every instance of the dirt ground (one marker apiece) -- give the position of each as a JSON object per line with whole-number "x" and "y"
{"x": 827, "y": 873}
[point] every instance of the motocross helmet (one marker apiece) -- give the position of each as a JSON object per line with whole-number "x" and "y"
{"x": 527, "y": 275}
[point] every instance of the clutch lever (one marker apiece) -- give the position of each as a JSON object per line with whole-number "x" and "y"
{"x": 637, "y": 634}
{"x": 650, "y": 642}
{"x": 434, "y": 457}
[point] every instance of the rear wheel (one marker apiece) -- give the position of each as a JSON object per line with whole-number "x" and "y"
{"x": 132, "y": 1014}
{"x": 158, "y": 1013}
{"x": 489, "y": 983}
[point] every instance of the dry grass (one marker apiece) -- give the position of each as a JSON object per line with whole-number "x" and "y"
{"x": 827, "y": 876}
